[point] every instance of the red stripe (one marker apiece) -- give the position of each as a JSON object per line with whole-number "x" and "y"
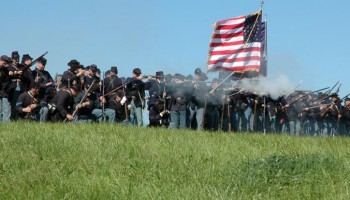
{"x": 229, "y": 27}
{"x": 225, "y": 44}
{"x": 228, "y": 60}
{"x": 241, "y": 68}
{"x": 231, "y": 35}
{"x": 230, "y": 52}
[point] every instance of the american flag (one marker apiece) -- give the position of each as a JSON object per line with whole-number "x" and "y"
{"x": 236, "y": 44}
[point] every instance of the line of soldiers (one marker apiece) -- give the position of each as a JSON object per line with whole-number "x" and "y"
{"x": 83, "y": 95}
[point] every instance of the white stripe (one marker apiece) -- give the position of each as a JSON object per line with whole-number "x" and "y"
{"x": 229, "y": 31}
{"x": 222, "y": 40}
{"x": 235, "y": 47}
{"x": 230, "y": 22}
{"x": 233, "y": 56}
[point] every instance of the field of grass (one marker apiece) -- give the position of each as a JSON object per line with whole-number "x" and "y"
{"x": 63, "y": 161}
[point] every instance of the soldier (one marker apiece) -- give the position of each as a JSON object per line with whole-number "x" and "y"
{"x": 101, "y": 110}
{"x": 135, "y": 92}
{"x": 44, "y": 80}
{"x": 90, "y": 76}
{"x": 179, "y": 100}
{"x": 156, "y": 88}
{"x": 345, "y": 118}
{"x": 15, "y": 89}
{"x": 157, "y": 114}
{"x": 214, "y": 114}
{"x": 83, "y": 105}
{"x": 119, "y": 104}
{"x": 29, "y": 107}
{"x": 25, "y": 73}
{"x": 331, "y": 114}
{"x": 5, "y": 106}
{"x": 62, "y": 104}
{"x": 112, "y": 81}
{"x": 74, "y": 76}
{"x": 199, "y": 90}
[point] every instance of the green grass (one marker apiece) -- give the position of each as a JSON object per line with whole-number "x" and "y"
{"x": 62, "y": 161}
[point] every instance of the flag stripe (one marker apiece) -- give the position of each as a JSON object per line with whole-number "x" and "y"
{"x": 239, "y": 55}
{"x": 234, "y": 47}
{"x": 250, "y": 49}
{"x": 237, "y": 64}
{"x": 230, "y": 27}
{"x": 221, "y": 44}
{"x": 231, "y": 35}
{"x": 245, "y": 68}
{"x": 228, "y": 49}
{"x": 229, "y": 60}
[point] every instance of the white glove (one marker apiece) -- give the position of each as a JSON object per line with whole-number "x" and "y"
{"x": 123, "y": 100}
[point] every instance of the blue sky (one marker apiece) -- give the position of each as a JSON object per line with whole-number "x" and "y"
{"x": 305, "y": 38}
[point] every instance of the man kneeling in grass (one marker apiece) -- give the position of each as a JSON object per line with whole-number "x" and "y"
{"x": 30, "y": 107}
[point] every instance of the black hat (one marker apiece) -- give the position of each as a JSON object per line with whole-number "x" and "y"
{"x": 179, "y": 76}
{"x": 107, "y": 72}
{"x": 347, "y": 99}
{"x": 197, "y": 71}
{"x": 26, "y": 57}
{"x": 93, "y": 67}
{"x": 73, "y": 63}
{"x": 189, "y": 77}
{"x": 6, "y": 59}
{"x": 160, "y": 74}
{"x": 114, "y": 69}
{"x": 334, "y": 95}
{"x": 80, "y": 67}
{"x": 137, "y": 71}
{"x": 15, "y": 55}
{"x": 168, "y": 77}
{"x": 43, "y": 61}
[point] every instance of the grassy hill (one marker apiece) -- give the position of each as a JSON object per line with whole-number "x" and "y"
{"x": 63, "y": 161}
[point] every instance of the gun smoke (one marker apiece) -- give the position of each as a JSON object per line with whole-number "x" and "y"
{"x": 263, "y": 86}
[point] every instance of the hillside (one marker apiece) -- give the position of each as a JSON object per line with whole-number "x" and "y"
{"x": 63, "y": 161}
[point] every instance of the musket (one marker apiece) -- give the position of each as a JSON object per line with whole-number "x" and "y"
{"x": 32, "y": 101}
{"x": 84, "y": 97}
{"x": 240, "y": 91}
{"x": 329, "y": 91}
{"x": 203, "y": 116}
{"x": 255, "y": 109}
{"x": 307, "y": 108}
{"x": 34, "y": 62}
{"x": 337, "y": 91}
{"x": 294, "y": 89}
{"x": 228, "y": 115}
{"x": 125, "y": 105}
{"x": 264, "y": 117}
{"x": 122, "y": 86}
{"x": 103, "y": 92}
{"x": 222, "y": 112}
{"x": 290, "y": 103}
{"x": 331, "y": 104}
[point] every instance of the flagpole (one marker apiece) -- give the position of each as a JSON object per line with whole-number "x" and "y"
{"x": 221, "y": 82}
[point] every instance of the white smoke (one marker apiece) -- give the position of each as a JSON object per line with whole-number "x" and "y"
{"x": 264, "y": 86}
